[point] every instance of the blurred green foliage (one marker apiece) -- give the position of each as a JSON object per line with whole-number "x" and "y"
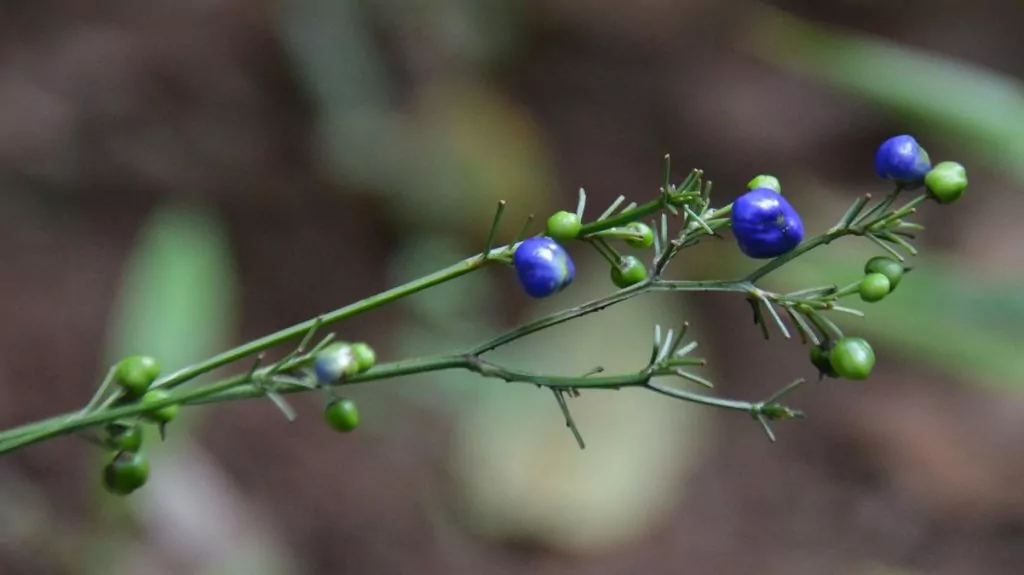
{"x": 981, "y": 111}
{"x": 177, "y": 299}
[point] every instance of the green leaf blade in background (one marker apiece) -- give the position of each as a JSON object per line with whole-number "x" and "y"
{"x": 178, "y": 294}
{"x": 982, "y": 110}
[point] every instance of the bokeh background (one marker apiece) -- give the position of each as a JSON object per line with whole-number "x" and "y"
{"x": 176, "y": 177}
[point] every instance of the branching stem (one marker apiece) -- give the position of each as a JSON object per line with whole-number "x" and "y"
{"x": 287, "y": 376}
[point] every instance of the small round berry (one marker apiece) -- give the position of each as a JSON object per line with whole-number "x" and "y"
{"x": 364, "y": 355}
{"x": 946, "y": 182}
{"x": 342, "y": 414}
{"x": 890, "y": 268}
{"x": 819, "y": 359}
{"x": 334, "y": 362}
{"x": 902, "y": 160}
{"x": 543, "y": 267}
{"x": 765, "y": 224}
{"x": 852, "y": 358}
{"x": 127, "y": 472}
{"x": 564, "y": 226}
{"x": 122, "y": 437}
{"x": 644, "y": 235}
{"x": 630, "y": 271}
{"x": 765, "y": 181}
{"x": 874, "y": 287}
{"x": 136, "y": 373}
{"x": 163, "y": 414}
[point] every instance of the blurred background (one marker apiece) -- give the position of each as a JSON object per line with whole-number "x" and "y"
{"x": 177, "y": 177}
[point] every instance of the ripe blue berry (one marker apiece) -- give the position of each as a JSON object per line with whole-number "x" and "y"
{"x": 902, "y": 160}
{"x": 543, "y": 267}
{"x": 334, "y": 362}
{"x": 765, "y": 224}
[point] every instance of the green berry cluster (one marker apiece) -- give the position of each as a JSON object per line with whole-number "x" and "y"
{"x": 626, "y": 270}
{"x": 881, "y": 276}
{"x": 128, "y": 469}
{"x": 852, "y": 357}
{"x": 334, "y": 363}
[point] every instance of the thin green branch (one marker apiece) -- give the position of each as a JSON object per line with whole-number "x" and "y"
{"x": 631, "y": 215}
{"x": 286, "y": 376}
{"x": 447, "y": 274}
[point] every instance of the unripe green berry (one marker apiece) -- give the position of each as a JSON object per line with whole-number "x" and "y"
{"x": 136, "y": 373}
{"x": 364, "y": 355}
{"x": 819, "y": 359}
{"x": 121, "y": 437}
{"x": 852, "y": 358}
{"x": 946, "y": 182}
{"x": 163, "y": 414}
{"x": 765, "y": 181}
{"x": 644, "y": 235}
{"x": 874, "y": 287}
{"x": 630, "y": 271}
{"x": 564, "y": 226}
{"x": 888, "y": 267}
{"x": 127, "y": 472}
{"x": 342, "y": 415}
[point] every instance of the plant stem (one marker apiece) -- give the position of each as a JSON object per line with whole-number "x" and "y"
{"x": 462, "y": 268}
{"x": 600, "y": 304}
{"x": 625, "y": 217}
{"x": 241, "y": 387}
{"x": 800, "y": 250}
{"x": 251, "y": 383}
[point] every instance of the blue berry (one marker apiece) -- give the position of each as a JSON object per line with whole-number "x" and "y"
{"x": 543, "y": 267}
{"x": 902, "y": 160}
{"x": 765, "y": 224}
{"x": 334, "y": 362}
